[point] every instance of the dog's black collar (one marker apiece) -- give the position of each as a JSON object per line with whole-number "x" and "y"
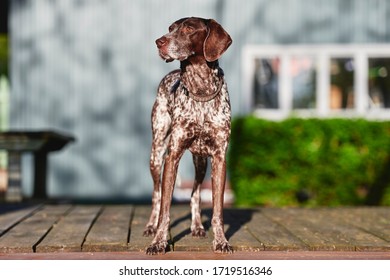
{"x": 195, "y": 97}
{"x": 175, "y": 86}
{"x": 198, "y": 98}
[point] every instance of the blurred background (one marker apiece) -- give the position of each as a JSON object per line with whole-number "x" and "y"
{"x": 90, "y": 68}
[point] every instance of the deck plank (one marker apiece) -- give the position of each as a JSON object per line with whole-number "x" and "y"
{"x": 375, "y": 220}
{"x": 138, "y": 242}
{"x": 10, "y": 218}
{"x": 181, "y": 230}
{"x": 273, "y": 236}
{"x": 320, "y": 231}
{"x": 69, "y": 234}
{"x": 361, "y": 239}
{"x": 23, "y": 237}
{"x": 237, "y": 232}
{"x": 306, "y": 227}
{"x": 118, "y": 228}
{"x": 110, "y": 232}
{"x": 207, "y": 255}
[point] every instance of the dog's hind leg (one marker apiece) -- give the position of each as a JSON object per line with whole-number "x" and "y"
{"x": 197, "y": 228}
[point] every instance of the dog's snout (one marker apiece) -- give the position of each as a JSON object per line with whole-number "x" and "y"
{"x": 161, "y": 41}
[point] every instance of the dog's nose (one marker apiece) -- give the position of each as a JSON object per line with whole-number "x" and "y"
{"x": 161, "y": 41}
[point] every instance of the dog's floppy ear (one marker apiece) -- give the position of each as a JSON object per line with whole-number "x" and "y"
{"x": 216, "y": 42}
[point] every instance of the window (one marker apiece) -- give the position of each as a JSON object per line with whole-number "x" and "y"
{"x": 265, "y": 83}
{"x": 342, "y": 74}
{"x": 319, "y": 80}
{"x": 303, "y": 75}
{"x": 379, "y": 82}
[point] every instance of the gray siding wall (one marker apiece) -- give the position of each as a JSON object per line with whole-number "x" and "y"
{"x": 90, "y": 68}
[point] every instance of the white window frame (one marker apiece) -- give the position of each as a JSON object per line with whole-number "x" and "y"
{"x": 323, "y": 55}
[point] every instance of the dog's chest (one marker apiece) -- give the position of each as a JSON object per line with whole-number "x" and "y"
{"x": 204, "y": 125}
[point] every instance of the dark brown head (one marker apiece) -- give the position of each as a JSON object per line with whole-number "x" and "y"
{"x": 193, "y": 38}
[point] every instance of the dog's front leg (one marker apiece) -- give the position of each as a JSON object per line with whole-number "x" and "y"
{"x": 160, "y": 241}
{"x": 220, "y": 243}
{"x": 161, "y": 123}
{"x": 156, "y": 163}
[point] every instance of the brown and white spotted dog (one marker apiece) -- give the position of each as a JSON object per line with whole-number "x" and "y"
{"x": 191, "y": 111}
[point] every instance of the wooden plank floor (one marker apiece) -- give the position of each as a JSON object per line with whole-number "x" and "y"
{"x": 67, "y": 228}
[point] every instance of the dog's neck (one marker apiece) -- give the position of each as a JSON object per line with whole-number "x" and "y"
{"x": 202, "y": 79}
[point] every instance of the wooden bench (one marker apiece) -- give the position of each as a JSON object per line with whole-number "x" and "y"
{"x": 40, "y": 143}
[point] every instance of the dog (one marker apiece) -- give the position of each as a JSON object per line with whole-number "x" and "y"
{"x": 192, "y": 111}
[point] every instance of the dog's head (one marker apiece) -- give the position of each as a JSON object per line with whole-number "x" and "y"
{"x": 190, "y": 37}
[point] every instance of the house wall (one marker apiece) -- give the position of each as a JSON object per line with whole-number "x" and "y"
{"x": 90, "y": 68}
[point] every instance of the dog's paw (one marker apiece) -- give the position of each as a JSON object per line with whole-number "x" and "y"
{"x": 198, "y": 232}
{"x": 157, "y": 248}
{"x": 149, "y": 231}
{"x": 222, "y": 247}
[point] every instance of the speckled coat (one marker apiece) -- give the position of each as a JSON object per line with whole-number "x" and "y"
{"x": 204, "y": 126}
{"x": 191, "y": 111}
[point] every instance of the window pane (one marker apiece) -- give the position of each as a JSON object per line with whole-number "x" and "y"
{"x": 265, "y": 86}
{"x": 342, "y": 72}
{"x": 303, "y": 82}
{"x": 379, "y": 82}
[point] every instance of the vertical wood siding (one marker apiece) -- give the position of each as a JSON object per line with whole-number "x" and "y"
{"x": 91, "y": 68}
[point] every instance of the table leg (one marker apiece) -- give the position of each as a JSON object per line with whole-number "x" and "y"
{"x": 40, "y": 165}
{"x": 14, "y": 188}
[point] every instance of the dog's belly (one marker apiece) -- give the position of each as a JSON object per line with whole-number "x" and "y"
{"x": 209, "y": 140}
{"x": 203, "y": 145}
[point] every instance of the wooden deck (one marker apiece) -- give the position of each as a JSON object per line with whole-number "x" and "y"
{"x": 101, "y": 231}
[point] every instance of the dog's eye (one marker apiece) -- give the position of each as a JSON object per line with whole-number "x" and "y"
{"x": 172, "y": 27}
{"x": 188, "y": 29}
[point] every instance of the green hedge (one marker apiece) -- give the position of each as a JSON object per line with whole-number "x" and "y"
{"x": 310, "y": 162}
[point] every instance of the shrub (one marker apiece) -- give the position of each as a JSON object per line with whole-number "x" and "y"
{"x": 310, "y": 161}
